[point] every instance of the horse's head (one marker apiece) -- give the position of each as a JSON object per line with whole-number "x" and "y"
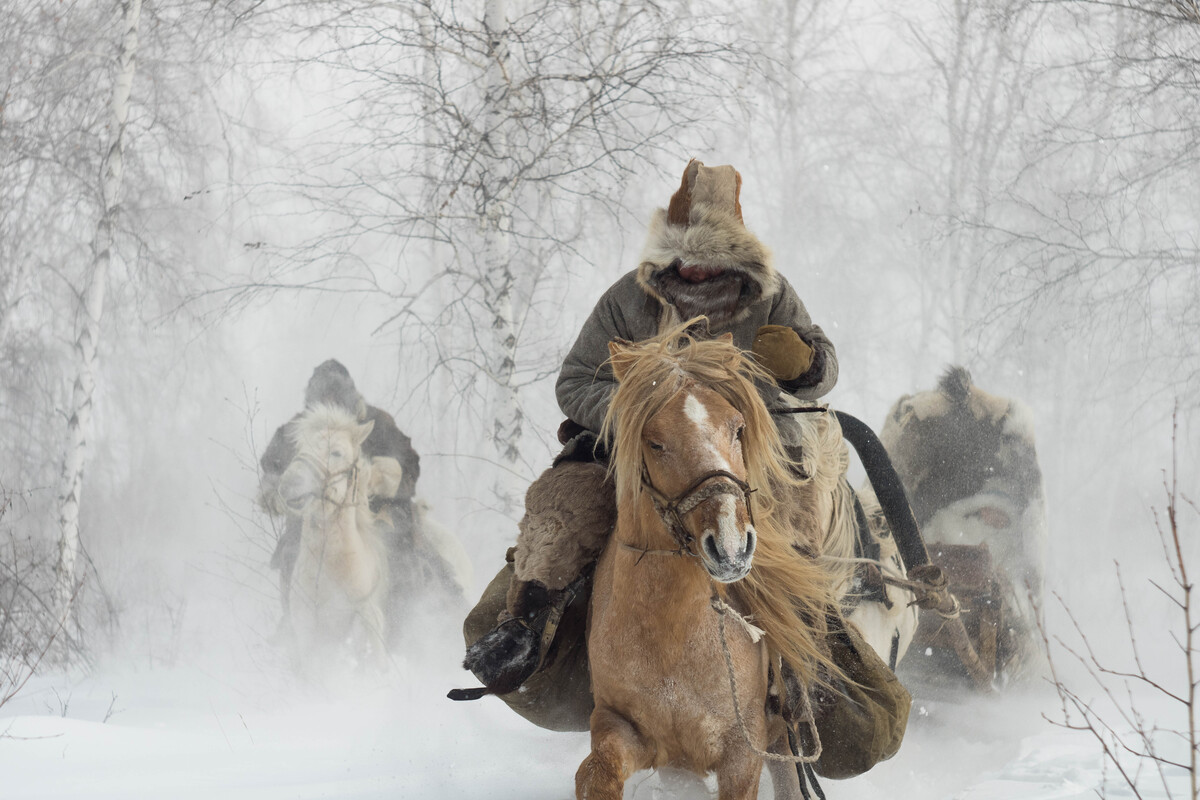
{"x": 686, "y": 419}
{"x": 696, "y": 475}
{"x": 328, "y": 464}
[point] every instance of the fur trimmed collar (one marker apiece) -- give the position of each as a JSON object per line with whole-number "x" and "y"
{"x": 712, "y": 238}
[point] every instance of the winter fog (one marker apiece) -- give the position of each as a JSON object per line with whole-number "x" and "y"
{"x": 201, "y": 202}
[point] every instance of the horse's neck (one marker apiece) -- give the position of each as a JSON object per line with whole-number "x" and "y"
{"x": 335, "y": 526}
{"x": 657, "y": 600}
{"x": 642, "y": 537}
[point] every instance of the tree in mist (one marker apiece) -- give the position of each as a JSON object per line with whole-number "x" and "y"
{"x": 92, "y": 248}
{"x": 1119, "y": 706}
{"x": 1105, "y": 238}
{"x": 91, "y": 309}
{"x": 481, "y": 144}
{"x": 978, "y": 53}
{"x": 44, "y": 203}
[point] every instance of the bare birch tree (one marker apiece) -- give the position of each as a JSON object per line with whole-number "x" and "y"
{"x": 1106, "y": 233}
{"x": 980, "y": 52}
{"x": 504, "y": 133}
{"x": 495, "y": 183}
{"x": 91, "y": 308}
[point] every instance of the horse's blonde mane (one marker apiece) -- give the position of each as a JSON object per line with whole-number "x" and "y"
{"x": 825, "y": 460}
{"x": 787, "y": 592}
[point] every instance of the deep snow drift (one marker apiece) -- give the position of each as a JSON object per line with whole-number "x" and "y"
{"x": 232, "y": 722}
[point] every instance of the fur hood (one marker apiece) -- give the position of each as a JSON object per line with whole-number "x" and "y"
{"x": 703, "y": 228}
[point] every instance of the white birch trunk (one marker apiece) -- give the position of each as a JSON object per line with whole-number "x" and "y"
{"x": 79, "y": 427}
{"x": 499, "y": 279}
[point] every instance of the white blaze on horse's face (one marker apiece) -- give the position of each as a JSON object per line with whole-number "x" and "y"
{"x": 696, "y": 434}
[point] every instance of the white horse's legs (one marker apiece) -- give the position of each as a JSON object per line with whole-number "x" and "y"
{"x": 374, "y": 623}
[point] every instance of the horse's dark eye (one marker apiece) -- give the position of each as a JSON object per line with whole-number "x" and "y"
{"x": 337, "y": 454}
{"x": 656, "y": 447}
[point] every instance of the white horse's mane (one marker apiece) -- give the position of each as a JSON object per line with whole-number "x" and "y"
{"x": 320, "y": 418}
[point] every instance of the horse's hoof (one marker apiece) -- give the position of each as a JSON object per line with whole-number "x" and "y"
{"x": 504, "y": 657}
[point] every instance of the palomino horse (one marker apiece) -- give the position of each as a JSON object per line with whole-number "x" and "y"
{"x": 341, "y": 575}
{"x": 673, "y": 683}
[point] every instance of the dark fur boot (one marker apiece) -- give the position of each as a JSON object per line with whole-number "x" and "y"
{"x": 506, "y": 656}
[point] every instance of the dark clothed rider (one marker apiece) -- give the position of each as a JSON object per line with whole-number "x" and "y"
{"x": 331, "y": 384}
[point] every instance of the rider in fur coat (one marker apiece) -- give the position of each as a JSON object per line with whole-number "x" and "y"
{"x": 699, "y": 260}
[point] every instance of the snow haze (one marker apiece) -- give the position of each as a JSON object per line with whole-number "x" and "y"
{"x": 1010, "y": 186}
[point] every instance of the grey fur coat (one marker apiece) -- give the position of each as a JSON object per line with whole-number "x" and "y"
{"x": 631, "y": 309}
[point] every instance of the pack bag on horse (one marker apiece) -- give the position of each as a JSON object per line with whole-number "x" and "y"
{"x": 527, "y": 632}
{"x": 968, "y": 462}
{"x": 416, "y": 560}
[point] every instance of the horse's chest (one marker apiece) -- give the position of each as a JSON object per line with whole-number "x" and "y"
{"x": 671, "y": 679}
{"x": 336, "y": 567}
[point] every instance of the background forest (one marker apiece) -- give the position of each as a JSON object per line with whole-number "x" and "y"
{"x": 200, "y": 201}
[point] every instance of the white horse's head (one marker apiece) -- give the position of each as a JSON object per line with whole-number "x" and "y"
{"x": 328, "y": 465}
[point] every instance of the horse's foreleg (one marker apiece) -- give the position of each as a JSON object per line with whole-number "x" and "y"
{"x": 618, "y": 751}
{"x": 739, "y": 781}
{"x": 374, "y": 630}
{"x": 739, "y": 770}
{"x": 784, "y": 779}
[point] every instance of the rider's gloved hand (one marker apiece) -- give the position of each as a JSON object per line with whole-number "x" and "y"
{"x": 781, "y": 351}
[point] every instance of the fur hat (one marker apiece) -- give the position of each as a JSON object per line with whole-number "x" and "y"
{"x": 699, "y": 257}
{"x": 331, "y": 384}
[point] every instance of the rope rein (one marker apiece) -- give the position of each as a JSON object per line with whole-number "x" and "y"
{"x": 722, "y": 608}
{"x": 925, "y": 595}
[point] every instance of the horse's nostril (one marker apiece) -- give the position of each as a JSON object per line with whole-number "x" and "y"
{"x": 750, "y": 543}
{"x": 710, "y": 547}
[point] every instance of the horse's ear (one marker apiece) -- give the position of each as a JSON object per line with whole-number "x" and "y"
{"x": 726, "y": 338}
{"x": 363, "y": 431}
{"x": 621, "y": 357}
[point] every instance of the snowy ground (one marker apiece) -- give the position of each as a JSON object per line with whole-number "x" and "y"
{"x": 229, "y": 730}
{"x": 217, "y": 713}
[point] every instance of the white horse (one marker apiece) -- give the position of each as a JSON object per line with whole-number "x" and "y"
{"x": 340, "y": 583}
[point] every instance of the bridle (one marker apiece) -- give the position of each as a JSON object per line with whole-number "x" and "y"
{"x": 326, "y": 477}
{"x": 672, "y": 509}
